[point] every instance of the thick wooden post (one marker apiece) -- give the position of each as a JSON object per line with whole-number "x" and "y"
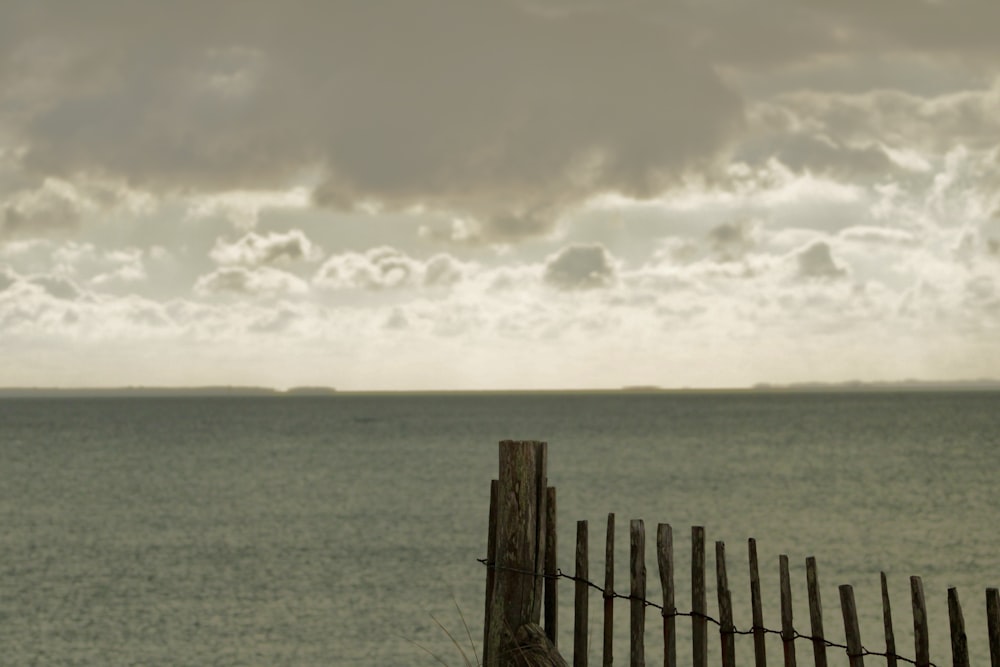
{"x": 520, "y": 547}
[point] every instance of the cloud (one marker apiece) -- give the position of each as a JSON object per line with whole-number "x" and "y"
{"x": 816, "y": 261}
{"x": 730, "y": 241}
{"x": 493, "y": 110}
{"x": 878, "y": 235}
{"x": 255, "y": 249}
{"x": 580, "y": 267}
{"x": 7, "y": 278}
{"x": 255, "y": 281}
{"x": 386, "y": 268}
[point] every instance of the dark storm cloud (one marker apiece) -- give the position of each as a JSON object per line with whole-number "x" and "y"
{"x": 505, "y": 111}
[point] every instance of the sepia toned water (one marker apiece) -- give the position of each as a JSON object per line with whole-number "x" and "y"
{"x": 335, "y": 530}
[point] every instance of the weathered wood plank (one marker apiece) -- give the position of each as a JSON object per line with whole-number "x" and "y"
{"x": 699, "y": 603}
{"x": 665, "y": 560}
{"x": 551, "y": 569}
{"x": 759, "y": 643}
{"x": 519, "y": 544}
{"x": 541, "y": 533}
{"x": 959, "y": 640}
{"x": 726, "y": 628}
{"x": 580, "y": 616}
{"x": 815, "y": 613}
{"x": 851, "y": 630}
{"x": 787, "y": 626}
{"x": 890, "y": 636}
{"x": 491, "y": 561}
{"x": 921, "y": 636}
{"x": 609, "y": 593}
{"x": 993, "y": 624}
{"x": 637, "y": 652}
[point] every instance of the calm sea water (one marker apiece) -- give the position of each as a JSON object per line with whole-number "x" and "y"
{"x": 334, "y": 531}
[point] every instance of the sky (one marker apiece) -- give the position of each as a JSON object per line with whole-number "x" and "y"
{"x": 449, "y": 194}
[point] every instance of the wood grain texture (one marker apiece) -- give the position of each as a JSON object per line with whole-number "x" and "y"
{"x": 516, "y": 597}
{"x": 551, "y": 569}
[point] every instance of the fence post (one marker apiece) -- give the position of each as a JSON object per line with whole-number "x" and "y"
{"x": 637, "y": 615}
{"x": 787, "y": 628}
{"x": 609, "y": 593}
{"x": 993, "y": 624}
{"x": 491, "y": 561}
{"x": 581, "y": 600}
{"x": 759, "y": 646}
{"x": 520, "y": 546}
{"x": 815, "y": 613}
{"x": 665, "y": 561}
{"x": 890, "y": 636}
{"x": 699, "y": 603}
{"x": 551, "y": 569}
{"x": 851, "y": 631}
{"x": 726, "y": 628}
{"x": 959, "y": 641}
{"x": 921, "y": 638}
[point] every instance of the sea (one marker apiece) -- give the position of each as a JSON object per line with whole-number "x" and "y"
{"x": 346, "y": 529}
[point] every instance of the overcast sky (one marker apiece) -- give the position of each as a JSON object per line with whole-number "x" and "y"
{"x": 432, "y": 194}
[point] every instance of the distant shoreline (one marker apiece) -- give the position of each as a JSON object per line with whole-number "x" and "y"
{"x": 264, "y": 392}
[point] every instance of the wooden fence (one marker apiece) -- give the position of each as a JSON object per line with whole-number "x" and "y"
{"x": 522, "y": 577}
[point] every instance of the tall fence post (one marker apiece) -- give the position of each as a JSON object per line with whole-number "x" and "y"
{"x": 516, "y": 596}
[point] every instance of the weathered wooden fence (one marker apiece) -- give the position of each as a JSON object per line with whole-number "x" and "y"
{"x": 522, "y": 574}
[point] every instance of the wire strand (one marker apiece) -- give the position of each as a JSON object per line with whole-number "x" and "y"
{"x": 733, "y": 630}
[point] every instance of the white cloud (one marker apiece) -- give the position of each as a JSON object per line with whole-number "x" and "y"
{"x": 255, "y": 281}
{"x": 386, "y": 268}
{"x": 255, "y": 249}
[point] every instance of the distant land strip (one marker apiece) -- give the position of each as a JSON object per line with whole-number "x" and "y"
{"x": 243, "y": 391}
